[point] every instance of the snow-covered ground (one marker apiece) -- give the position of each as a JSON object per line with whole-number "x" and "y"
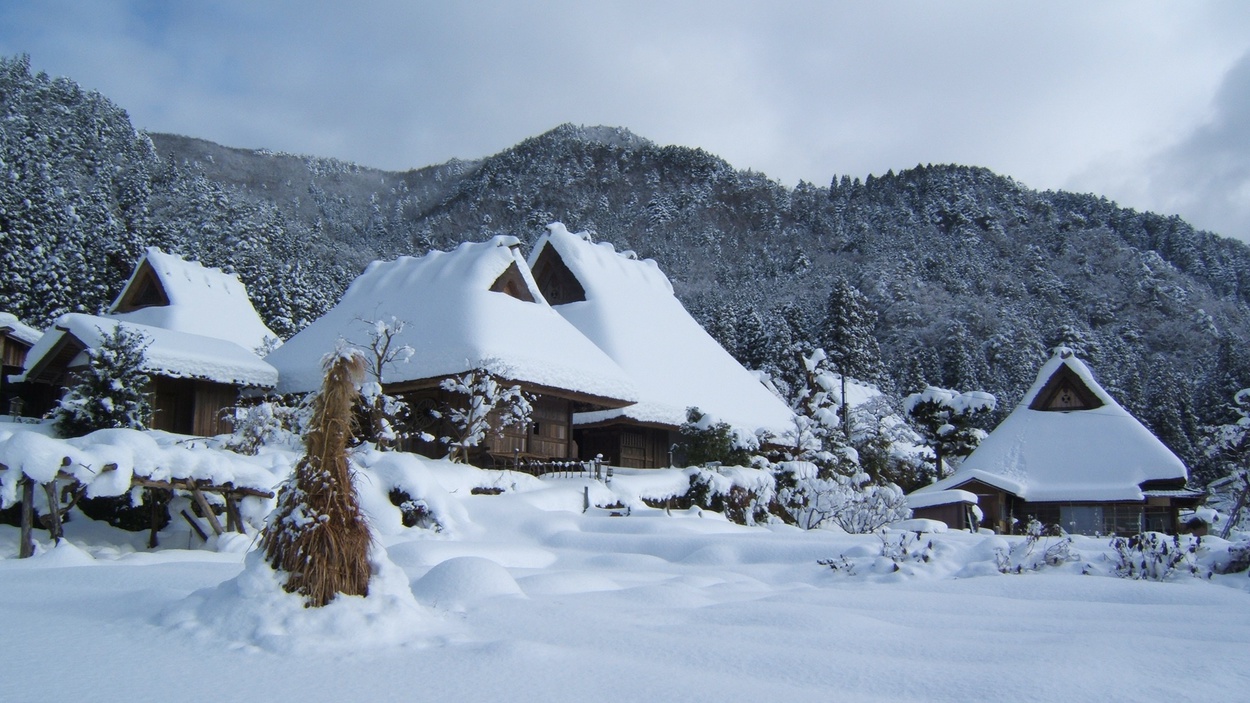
{"x": 523, "y": 597}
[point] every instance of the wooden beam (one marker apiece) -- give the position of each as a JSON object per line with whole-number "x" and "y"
{"x": 186, "y": 485}
{"x": 195, "y": 525}
{"x": 207, "y": 509}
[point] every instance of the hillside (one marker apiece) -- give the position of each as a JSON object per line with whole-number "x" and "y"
{"x": 973, "y": 276}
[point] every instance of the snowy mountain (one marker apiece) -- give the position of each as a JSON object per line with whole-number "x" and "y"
{"x": 972, "y": 275}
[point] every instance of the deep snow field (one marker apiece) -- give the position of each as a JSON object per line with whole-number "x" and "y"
{"x": 523, "y": 597}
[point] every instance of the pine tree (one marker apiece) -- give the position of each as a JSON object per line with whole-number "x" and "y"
{"x": 849, "y": 342}
{"x": 948, "y": 421}
{"x": 111, "y": 391}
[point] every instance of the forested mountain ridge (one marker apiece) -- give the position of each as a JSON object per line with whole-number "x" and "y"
{"x": 972, "y": 275}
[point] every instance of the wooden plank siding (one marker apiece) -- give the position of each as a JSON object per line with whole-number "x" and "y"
{"x": 190, "y": 406}
{"x": 548, "y": 435}
{"x": 626, "y": 445}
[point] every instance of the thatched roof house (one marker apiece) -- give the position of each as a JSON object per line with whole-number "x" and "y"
{"x": 627, "y": 308}
{"x": 202, "y": 331}
{"x": 1069, "y": 454}
{"x": 474, "y": 307}
{"x": 16, "y": 339}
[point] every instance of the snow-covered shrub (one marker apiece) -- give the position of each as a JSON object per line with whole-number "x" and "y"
{"x": 841, "y": 565}
{"x": 1028, "y": 555}
{"x": 729, "y": 491}
{"x": 414, "y": 512}
{"x": 906, "y": 548}
{"x": 708, "y": 440}
{"x": 485, "y": 406}
{"x": 812, "y": 497}
{"x": 1239, "y": 558}
{"x": 110, "y": 391}
{"x": 1154, "y": 556}
{"x": 132, "y": 511}
{"x": 270, "y": 422}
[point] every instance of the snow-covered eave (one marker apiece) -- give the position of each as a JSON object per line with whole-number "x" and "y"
{"x": 656, "y": 416}
{"x": 577, "y": 396}
{"x": 169, "y": 353}
{"x": 963, "y": 477}
{"x": 928, "y": 499}
{"x": 17, "y": 330}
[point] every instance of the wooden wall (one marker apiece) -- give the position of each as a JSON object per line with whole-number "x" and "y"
{"x": 189, "y": 406}
{"x": 626, "y": 445}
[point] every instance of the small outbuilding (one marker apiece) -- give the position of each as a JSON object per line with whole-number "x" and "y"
{"x": 1070, "y": 455}
{"x": 202, "y": 335}
{"x": 16, "y": 339}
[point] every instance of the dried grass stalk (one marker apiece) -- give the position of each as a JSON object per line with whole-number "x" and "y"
{"x": 317, "y": 534}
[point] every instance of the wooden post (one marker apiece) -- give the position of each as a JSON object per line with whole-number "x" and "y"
{"x": 234, "y": 521}
{"x": 154, "y": 517}
{"x": 54, "y": 512}
{"x": 207, "y": 509}
{"x": 26, "y": 546}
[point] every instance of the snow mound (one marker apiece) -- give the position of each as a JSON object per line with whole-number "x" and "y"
{"x": 64, "y": 553}
{"x": 253, "y": 610}
{"x": 457, "y": 582}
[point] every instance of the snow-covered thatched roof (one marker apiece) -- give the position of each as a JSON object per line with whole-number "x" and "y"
{"x": 16, "y": 329}
{"x": 174, "y": 294}
{"x": 627, "y": 308}
{"x": 475, "y": 306}
{"x": 170, "y": 353}
{"x": 1068, "y": 440}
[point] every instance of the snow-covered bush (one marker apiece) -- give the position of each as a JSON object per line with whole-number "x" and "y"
{"x": 812, "y": 498}
{"x": 110, "y": 391}
{"x": 1154, "y": 556}
{"x": 1029, "y": 555}
{"x": 414, "y": 512}
{"x": 745, "y": 503}
{"x": 708, "y": 440}
{"x": 133, "y": 511}
{"x": 271, "y": 422}
{"x": 1238, "y": 558}
{"x": 485, "y": 406}
{"x": 908, "y": 547}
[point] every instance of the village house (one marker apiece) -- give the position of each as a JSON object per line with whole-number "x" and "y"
{"x": 1068, "y": 455}
{"x": 476, "y": 307}
{"x": 626, "y": 307}
{"x": 202, "y": 335}
{"x": 16, "y": 339}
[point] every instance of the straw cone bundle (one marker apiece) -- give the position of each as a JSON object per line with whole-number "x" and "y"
{"x": 317, "y": 534}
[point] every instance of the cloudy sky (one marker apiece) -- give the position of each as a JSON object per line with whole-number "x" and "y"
{"x": 1147, "y": 103}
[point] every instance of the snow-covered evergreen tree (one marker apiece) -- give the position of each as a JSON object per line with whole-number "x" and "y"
{"x": 849, "y": 340}
{"x": 948, "y": 421}
{"x": 111, "y": 391}
{"x": 707, "y": 439}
